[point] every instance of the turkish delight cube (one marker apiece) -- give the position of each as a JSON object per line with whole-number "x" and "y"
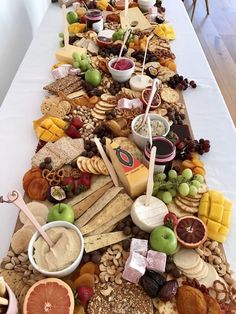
{"x": 139, "y": 246}
{"x": 156, "y": 261}
{"x": 135, "y": 267}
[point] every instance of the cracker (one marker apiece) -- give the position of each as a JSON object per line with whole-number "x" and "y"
{"x": 172, "y": 207}
{"x": 169, "y": 95}
{"x": 80, "y": 164}
{"x": 105, "y": 104}
{"x": 91, "y": 167}
{"x": 97, "y": 116}
{"x": 187, "y": 202}
{"x": 102, "y": 167}
{"x": 108, "y": 98}
{"x": 203, "y": 188}
{"x": 186, "y": 208}
{"x": 99, "y": 111}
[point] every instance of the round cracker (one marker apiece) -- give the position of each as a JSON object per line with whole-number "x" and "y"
{"x": 202, "y": 273}
{"x": 84, "y": 165}
{"x": 102, "y": 167}
{"x": 186, "y": 208}
{"x": 97, "y": 116}
{"x": 186, "y": 258}
{"x": 187, "y": 202}
{"x": 91, "y": 167}
{"x": 203, "y": 188}
{"x": 169, "y": 95}
{"x": 21, "y": 239}
{"x": 79, "y": 163}
{"x": 172, "y": 207}
{"x": 104, "y": 108}
{"x": 195, "y": 198}
{"x": 99, "y": 111}
{"x": 212, "y": 275}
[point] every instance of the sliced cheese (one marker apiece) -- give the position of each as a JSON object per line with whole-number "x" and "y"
{"x": 140, "y": 82}
{"x": 64, "y": 54}
{"x": 134, "y": 19}
{"x": 148, "y": 217}
{"x": 186, "y": 259}
{"x": 96, "y": 242}
{"x": 131, "y": 172}
{"x": 210, "y": 278}
{"x": 119, "y": 204}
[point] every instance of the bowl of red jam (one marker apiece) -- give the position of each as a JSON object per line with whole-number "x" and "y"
{"x": 156, "y": 99}
{"x": 104, "y": 38}
{"x": 121, "y": 69}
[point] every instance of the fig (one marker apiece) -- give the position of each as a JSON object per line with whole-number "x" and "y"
{"x": 168, "y": 291}
{"x": 149, "y": 285}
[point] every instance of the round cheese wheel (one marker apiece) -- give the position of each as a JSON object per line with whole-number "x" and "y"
{"x": 148, "y": 217}
{"x": 140, "y": 82}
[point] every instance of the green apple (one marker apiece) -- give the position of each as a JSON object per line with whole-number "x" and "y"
{"x": 62, "y": 212}
{"x": 93, "y": 77}
{"x": 163, "y": 239}
{"x": 72, "y": 17}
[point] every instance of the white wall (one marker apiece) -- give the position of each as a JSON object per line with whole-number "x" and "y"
{"x": 19, "y": 20}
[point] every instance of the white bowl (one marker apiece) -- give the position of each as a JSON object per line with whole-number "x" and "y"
{"x": 68, "y": 270}
{"x": 121, "y": 75}
{"x": 144, "y": 5}
{"x": 141, "y": 140}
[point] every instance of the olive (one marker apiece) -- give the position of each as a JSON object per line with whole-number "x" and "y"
{"x": 121, "y": 226}
{"x": 126, "y": 245}
{"x": 42, "y": 165}
{"x": 90, "y": 154}
{"x": 127, "y": 230}
{"x": 86, "y": 258}
{"x": 135, "y": 230}
{"x": 48, "y": 166}
{"x": 169, "y": 267}
{"x": 176, "y": 272}
{"x": 47, "y": 160}
{"x": 96, "y": 257}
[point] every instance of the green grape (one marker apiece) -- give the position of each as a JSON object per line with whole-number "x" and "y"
{"x": 183, "y": 189}
{"x": 76, "y": 56}
{"x": 62, "y": 43}
{"x": 172, "y": 174}
{"x": 161, "y": 176}
{"x": 168, "y": 185}
{"x": 179, "y": 178}
{"x": 160, "y": 194}
{"x": 76, "y": 64}
{"x": 196, "y": 183}
{"x": 172, "y": 192}
{"x": 193, "y": 190}
{"x": 61, "y": 35}
{"x": 155, "y": 188}
{"x": 199, "y": 178}
{"x": 167, "y": 197}
{"x": 187, "y": 173}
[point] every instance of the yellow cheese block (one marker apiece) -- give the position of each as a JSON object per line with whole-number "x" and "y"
{"x": 215, "y": 211}
{"x": 64, "y": 54}
{"x": 132, "y": 174}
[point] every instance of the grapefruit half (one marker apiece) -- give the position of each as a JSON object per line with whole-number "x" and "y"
{"x": 49, "y": 296}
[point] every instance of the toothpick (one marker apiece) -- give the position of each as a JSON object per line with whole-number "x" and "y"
{"x": 150, "y": 176}
{"x": 66, "y": 32}
{"x": 149, "y": 131}
{"x": 107, "y": 162}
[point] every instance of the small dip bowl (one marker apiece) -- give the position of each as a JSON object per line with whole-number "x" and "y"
{"x": 144, "y": 5}
{"x": 121, "y": 75}
{"x": 156, "y": 99}
{"x": 104, "y": 38}
{"x": 142, "y": 140}
{"x": 12, "y": 302}
{"x": 66, "y": 271}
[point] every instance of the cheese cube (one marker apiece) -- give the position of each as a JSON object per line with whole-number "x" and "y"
{"x": 156, "y": 261}
{"x": 139, "y": 246}
{"x": 135, "y": 267}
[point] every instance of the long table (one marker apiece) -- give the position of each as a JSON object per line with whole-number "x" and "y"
{"x": 207, "y": 110}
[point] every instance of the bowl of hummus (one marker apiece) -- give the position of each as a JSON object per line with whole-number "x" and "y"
{"x": 65, "y": 255}
{"x": 159, "y": 125}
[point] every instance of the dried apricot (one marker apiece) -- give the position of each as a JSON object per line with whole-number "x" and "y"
{"x": 79, "y": 309}
{"x": 198, "y": 163}
{"x": 85, "y": 280}
{"x": 199, "y": 170}
{"x": 188, "y": 164}
{"x": 195, "y": 155}
{"x": 70, "y": 283}
{"x": 89, "y": 268}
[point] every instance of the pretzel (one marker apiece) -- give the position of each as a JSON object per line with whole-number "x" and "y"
{"x": 53, "y": 182}
{"x": 60, "y": 173}
{"x": 45, "y": 172}
{"x": 232, "y": 294}
{"x": 51, "y": 175}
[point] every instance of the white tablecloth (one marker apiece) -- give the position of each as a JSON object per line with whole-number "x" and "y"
{"x": 207, "y": 110}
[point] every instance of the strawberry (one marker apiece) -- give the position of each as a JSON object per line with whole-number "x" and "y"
{"x": 86, "y": 179}
{"x": 72, "y": 132}
{"x": 77, "y": 123}
{"x": 170, "y": 220}
{"x": 84, "y": 294}
{"x": 68, "y": 184}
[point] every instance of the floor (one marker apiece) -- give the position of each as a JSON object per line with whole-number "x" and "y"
{"x": 217, "y": 35}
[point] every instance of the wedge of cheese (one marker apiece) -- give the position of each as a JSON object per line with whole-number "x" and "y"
{"x": 64, "y": 54}
{"x": 131, "y": 172}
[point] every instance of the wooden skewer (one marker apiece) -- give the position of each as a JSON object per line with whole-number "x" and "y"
{"x": 16, "y": 198}
{"x": 145, "y": 53}
{"x": 149, "y": 130}
{"x": 150, "y": 176}
{"x": 107, "y": 162}
{"x": 66, "y": 32}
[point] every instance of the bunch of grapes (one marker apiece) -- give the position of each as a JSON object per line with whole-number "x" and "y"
{"x": 181, "y": 83}
{"x": 167, "y": 186}
{"x": 188, "y": 146}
